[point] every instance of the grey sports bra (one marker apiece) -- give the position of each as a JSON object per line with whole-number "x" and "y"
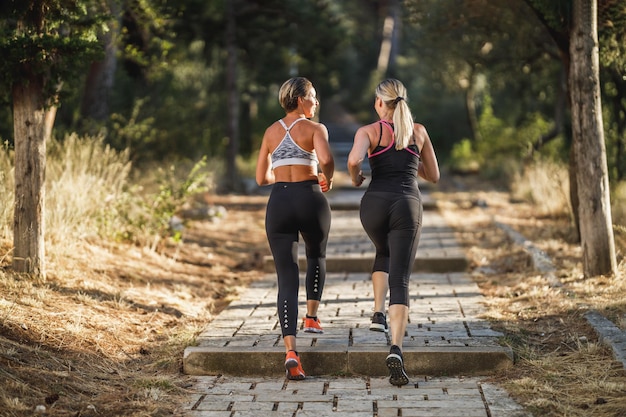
{"x": 289, "y": 153}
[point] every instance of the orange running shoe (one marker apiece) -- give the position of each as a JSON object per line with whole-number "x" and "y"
{"x": 312, "y": 325}
{"x": 293, "y": 366}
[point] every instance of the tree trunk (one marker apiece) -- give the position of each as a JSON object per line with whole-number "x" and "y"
{"x": 573, "y": 191}
{"x": 596, "y": 231}
{"x": 233, "y": 99}
{"x": 95, "y": 103}
{"x": 559, "y": 114}
{"x": 49, "y": 118}
{"x": 470, "y": 107}
{"x": 619, "y": 110}
{"x": 30, "y": 165}
{"x": 387, "y": 42}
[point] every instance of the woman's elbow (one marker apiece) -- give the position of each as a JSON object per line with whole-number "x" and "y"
{"x": 262, "y": 178}
{"x": 354, "y": 163}
{"x": 433, "y": 177}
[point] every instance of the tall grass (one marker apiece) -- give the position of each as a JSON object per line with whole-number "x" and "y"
{"x": 84, "y": 179}
{"x": 545, "y": 183}
{"x": 7, "y": 189}
{"x": 90, "y": 195}
{"x": 618, "y": 204}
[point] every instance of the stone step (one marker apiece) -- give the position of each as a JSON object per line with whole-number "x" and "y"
{"x": 350, "y": 250}
{"x": 444, "y": 335}
{"x": 330, "y": 360}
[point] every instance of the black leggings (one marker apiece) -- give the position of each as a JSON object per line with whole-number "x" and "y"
{"x": 297, "y": 208}
{"x": 393, "y": 221}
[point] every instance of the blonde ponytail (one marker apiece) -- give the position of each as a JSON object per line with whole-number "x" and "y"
{"x": 393, "y": 93}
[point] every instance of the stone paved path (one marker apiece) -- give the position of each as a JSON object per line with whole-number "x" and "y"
{"x": 238, "y": 362}
{"x": 219, "y": 396}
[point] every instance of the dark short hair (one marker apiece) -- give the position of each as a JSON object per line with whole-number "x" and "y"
{"x": 292, "y": 89}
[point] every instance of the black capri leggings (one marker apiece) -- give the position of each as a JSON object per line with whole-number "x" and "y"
{"x": 297, "y": 208}
{"x": 393, "y": 221}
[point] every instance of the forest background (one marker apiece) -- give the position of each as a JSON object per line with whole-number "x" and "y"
{"x": 188, "y": 79}
{"x": 170, "y": 98}
{"x": 494, "y": 82}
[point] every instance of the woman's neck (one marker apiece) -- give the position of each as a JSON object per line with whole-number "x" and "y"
{"x": 294, "y": 115}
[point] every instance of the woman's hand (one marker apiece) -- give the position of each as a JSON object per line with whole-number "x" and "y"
{"x": 324, "y": 182}
{"x": 359, "y": 179}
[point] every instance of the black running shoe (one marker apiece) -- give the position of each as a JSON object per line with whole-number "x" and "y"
{"x": 397, "y": 375}
{"x": 379, "y": 323}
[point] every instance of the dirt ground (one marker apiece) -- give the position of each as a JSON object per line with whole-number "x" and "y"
{"x": 103, "y": 335}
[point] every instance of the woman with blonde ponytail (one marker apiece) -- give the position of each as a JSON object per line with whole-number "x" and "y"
{"x": 399, "y": 151}
{"x": 393, "y": 94}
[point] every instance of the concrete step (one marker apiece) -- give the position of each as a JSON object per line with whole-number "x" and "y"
{"x": 444, "y": 335}
{"x": 349, "y": 249}
{"x": 250, "y": 361}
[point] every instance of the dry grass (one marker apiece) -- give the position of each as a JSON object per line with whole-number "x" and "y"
{"x": 104, "y": 334}
{"x": 561, "y": 369}
{"x": 7, "y": 188}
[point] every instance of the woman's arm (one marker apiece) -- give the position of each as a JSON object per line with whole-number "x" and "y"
{"x": 264, "y": 173}
{"x": 357, "y": 154}
{"x": 324, "y": 156}
{"x": 428, "y": 168}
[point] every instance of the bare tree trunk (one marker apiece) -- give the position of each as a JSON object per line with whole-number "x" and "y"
{"x": 470, "y": 107}
{"x": 559, "y": 114}
{"x": 573, "y": 191}
{"x": 30, "y": 166}
{"x": 233, "y": 99}
{"x": 596, "y": 231}
{"x": 95, "y": 103}
{"x": 619, "y": 110}
{"x": 386, "y": 55}
{"x": 49, "y": 118}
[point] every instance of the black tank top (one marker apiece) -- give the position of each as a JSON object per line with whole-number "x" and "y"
{"x": 394, "y": 170}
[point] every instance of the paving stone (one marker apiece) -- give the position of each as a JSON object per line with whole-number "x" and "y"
{"x": 242, "y": 355}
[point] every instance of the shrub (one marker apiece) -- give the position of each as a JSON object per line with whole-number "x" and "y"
{"x": 89, "y": 194}
{"x": 545, "y": 183}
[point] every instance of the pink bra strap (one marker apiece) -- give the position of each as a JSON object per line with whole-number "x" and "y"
{"x": 386, "y": 123}
{"x": 393, "y": 140}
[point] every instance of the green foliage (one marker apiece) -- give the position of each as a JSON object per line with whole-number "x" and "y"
{"x": 498, "y": 48}
{"x": 557, "y": 14}
{"x": 135, "y": 132}
{"x": 146, "y": 217}
{"x": 611, "y": 33}
{"x": 147, "y": 37}
{"x": 615, "y": 139}
{"x": 502, "y": 150}
{"x": 618, "y": 205}
{"x": 186, "y": 117}
{"x": 463, "y": 158}
{"x": 51, "y": 39}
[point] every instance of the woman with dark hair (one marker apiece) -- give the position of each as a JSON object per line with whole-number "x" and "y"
{"x": 291, "y": 150}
